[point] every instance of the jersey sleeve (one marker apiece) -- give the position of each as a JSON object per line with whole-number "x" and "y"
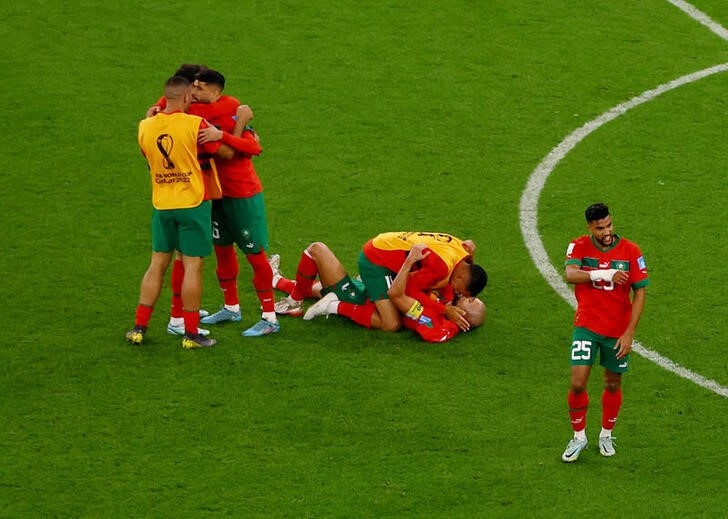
{"x": 208, "y": 147}
{"x": 432, "y": 270}
{"x": 573, "y": 254}
{"x": 638, "y": 269}
{"x": 247, "y": 143}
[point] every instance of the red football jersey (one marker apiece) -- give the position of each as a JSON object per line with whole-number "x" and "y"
{"x": 237, "y": 175}
{"x": 431, "y": 326}
{"x": 605, "y": 307}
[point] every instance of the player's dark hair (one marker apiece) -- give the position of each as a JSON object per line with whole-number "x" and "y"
{"x": 211, "y": 77}
{"x": 190, "y": 70}
{"x": 175, "y": 87}
{"x": 596, "y": 212}
{"x": 478, "y": 280}
{"x": 176, "y": 81}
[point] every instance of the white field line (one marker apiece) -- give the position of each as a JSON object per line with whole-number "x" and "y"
{"x": 529, "y": 200}
{"x": 701, "y": 17}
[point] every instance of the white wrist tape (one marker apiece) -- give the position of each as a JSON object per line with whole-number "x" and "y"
{"x": 602, "y": 275}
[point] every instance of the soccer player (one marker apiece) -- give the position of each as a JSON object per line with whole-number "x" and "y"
{"x": 181, "y": 217}
{"x": 351, "y": 297}
{"x": 239, "y": 217}
{"x": 449, "y": 270}
{"x": 431, "y": 326}
{"x": 176, "y": 325}
{"x": 605, "y": 268}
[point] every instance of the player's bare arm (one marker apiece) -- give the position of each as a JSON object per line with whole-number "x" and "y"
{"x": 209, "y": 134}
{"x": 624, "y": 342}
{"x": 458, "y": 316}
{"x": 469, "y": 245}
{"x": 152, "y": 111}
{"x": 243, "y": 115}
{"x": 396, "y": 292}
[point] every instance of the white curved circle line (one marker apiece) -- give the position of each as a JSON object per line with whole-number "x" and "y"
{"x": 528, "y": 212}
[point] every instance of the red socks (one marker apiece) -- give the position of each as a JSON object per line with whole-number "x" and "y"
{"x": 578, "y": 404}
{"x": 178, "y": 274}
{"x": 192, "y": 321}
{"x": 286, "y": 285}
{"x": 611, "y": 402}
{"x": 305, "y": 276}
{"x": 360, "y": 314}
{"x": 262, "y": 280}
{"x": 227, "y": 272}
{"x": 143, "y": 314}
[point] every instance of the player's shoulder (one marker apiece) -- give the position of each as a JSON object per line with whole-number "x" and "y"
{"x": 582, "y": 240}
{"x": 229, "y": 101}
{"x": 628, "y": 244}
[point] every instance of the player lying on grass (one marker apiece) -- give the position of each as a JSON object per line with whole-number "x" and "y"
{"x": 433, "y": 327}
{"x": 449, "y": 269}
{"x": 342, "y": 295}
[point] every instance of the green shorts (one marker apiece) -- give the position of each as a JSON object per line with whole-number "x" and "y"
{"x": 185, "y": 230}
{"x": 240, "y": 221}
{"x": 376, "y": 279}
{"x": 349, "y": 290}
{"x": 584, "y": 347}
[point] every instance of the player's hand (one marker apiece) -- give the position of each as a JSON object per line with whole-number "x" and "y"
{"x": 417, "y": 252}
{"x": 469, "y": 245}
{"x": 624, "y": 345}
{"x": 209, "y": 134}
{"x": 620, "y": 277}
{"x": 457, "y": 315}
{"x": 244, "y": 114}
{"x": 153, "y": 110}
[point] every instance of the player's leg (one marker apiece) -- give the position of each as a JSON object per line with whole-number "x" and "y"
{"x": 178, "y": 272}
{"x": 612, "y": 394}
{"x": 176, "y": 324}
{"x": 390, "y": 320}
{"x": 280, "y": 282}
{"x": 317, "y": 260}
{"x": 148, "y": 294}
{"x": 307, "y": 271}
{"x": 582, "y": 354}
{"x": 195, "y": 243}
{"x": 227, "y": 265}
{"x": 247, "y": 219}
{"x": 330, "y": 269}
{"x": 164, "y": 239}
{"x": 380, "y": 314}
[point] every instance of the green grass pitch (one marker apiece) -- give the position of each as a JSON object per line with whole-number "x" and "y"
{"x": 374, "y": 116}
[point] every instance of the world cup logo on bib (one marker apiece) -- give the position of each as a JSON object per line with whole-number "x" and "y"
{"x": 165, "y": 143}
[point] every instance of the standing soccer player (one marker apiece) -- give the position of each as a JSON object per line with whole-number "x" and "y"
{"x": 181, "y": 218}
{"x": 604, "y": 268}
{"x": 239, "y": 217}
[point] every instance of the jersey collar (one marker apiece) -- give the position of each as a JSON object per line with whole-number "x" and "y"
{"x": 614, "y": 243}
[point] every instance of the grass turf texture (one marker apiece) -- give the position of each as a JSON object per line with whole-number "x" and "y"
{"x": 373, "y": 118}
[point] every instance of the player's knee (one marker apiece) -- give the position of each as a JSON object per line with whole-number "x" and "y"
{"x": 612, "y": 386}
{"x": 578, "y": 386}
{"x": 391, "y": 325}
{"x": 317, "y": 248}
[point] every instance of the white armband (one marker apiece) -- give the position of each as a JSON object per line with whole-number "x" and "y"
{"x": 602, "y": 275}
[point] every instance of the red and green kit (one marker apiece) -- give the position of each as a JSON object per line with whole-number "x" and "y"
{"x": 605, "y": 307}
